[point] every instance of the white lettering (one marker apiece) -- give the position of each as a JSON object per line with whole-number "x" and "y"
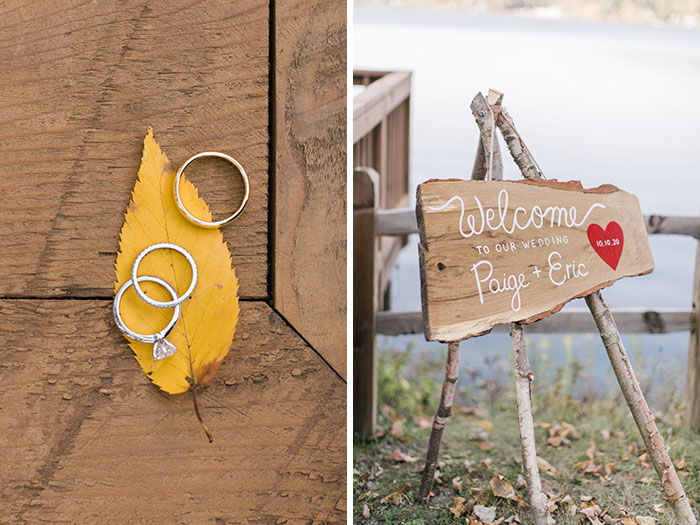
{"x": 559, "y": 274}
{"x": 558, "y": 216}
{"x": 509, "y": 283}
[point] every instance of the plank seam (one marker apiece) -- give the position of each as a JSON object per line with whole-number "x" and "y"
{"x": 271, "y": 154}
{"x": 306, "y": 341}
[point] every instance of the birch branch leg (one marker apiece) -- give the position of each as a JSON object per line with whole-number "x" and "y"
{"x": 523, "y": 377}
{"x": 443, "y": 414}
{"x": 517, "y": 149}
{"x": 486, "y": 124}
{"x": 617, "y": 354}
{"x": 479, "y": 168}
{"x": 675, "y": 495}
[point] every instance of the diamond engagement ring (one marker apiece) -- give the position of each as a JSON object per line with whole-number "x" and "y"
{"x": 162, "y": 348}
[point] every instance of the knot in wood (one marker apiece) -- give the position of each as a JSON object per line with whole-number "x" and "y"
{"x": 654, "y": 323}
{"x": 655, "y": 221}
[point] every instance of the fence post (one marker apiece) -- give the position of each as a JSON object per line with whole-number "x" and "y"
{"x": 692, "y": 381}
{"x": 365, "y": 298}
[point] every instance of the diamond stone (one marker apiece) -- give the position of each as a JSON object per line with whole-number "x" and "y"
{"x": 163, "y": 348}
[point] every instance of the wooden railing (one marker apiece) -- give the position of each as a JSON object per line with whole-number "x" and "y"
{"x": 372, "y": 224}
{"x": 381, "y": 141}
{"x": 381, "y": 144}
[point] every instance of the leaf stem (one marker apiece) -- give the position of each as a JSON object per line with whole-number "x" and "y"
{"x": 199, "y": 416}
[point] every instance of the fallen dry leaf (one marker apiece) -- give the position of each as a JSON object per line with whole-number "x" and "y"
{"x": 457, "y": 483}
{"x": 458, "y": 507}
{"x": 397, "y": 496}
{"x": 486, "y": 463}
{"x": 659, "y": 507}
{"x": 478, "y": 434}
{"x": 204, "y": 333}
{"x": 605, "y": 434}
{"x": 642, "y": 458}
{"x": 502, "y": 488}
{"x": 485, "y": 424}
{"x": 570, "y": 430}
{"x": 485, "y": 514}
{"x": 588, "y": 467}
{"x": 593, "y": 513}
{"x": 546, "y": 466}
{"x": 365, "y": 495}
{"x": 365, "y": 511}
{"x": 486, "y": 445}
{"x": 400, "y": 456}
{"x": 555, "y": 441}
{"x": 646, "y": 480}
{"x": 590, "y": 451}
{"x": 645, "y": 520}
{"x": 473, "y": 411}
{"x": 680, "y": 464}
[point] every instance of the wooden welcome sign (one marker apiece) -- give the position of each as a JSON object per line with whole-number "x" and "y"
{"x": 506, "y": 251}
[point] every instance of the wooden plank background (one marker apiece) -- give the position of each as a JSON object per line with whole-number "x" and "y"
{"x": 87, "y": 437}
{"x": 310, "y": 173}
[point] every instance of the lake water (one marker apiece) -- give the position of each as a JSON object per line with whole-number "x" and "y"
{"x": 595, "y": 101}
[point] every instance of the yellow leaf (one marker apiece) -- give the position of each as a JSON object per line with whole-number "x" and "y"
{"x": 208, "y": 318}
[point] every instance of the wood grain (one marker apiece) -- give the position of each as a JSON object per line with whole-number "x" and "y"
{"x": 86, "y": 438}
{"x": 453, "y": 307}
{"x": 85, "y": 433}
{"x": 309, "y": 285}
{"x": 81, "y": 83}
{"x": 365, "y": 299}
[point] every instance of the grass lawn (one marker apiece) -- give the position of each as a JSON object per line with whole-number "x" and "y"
{"x": 595, "y": 467}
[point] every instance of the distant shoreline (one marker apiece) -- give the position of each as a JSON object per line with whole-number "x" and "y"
{"x": 654, "y": 12}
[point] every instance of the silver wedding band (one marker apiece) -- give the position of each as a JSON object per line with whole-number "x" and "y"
{"x": 145, "y": 338}
{"x": 181, "y": 206}
{"x": 176, "y": 300}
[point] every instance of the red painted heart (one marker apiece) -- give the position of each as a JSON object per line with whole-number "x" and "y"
{"x": 607, "y": 243}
